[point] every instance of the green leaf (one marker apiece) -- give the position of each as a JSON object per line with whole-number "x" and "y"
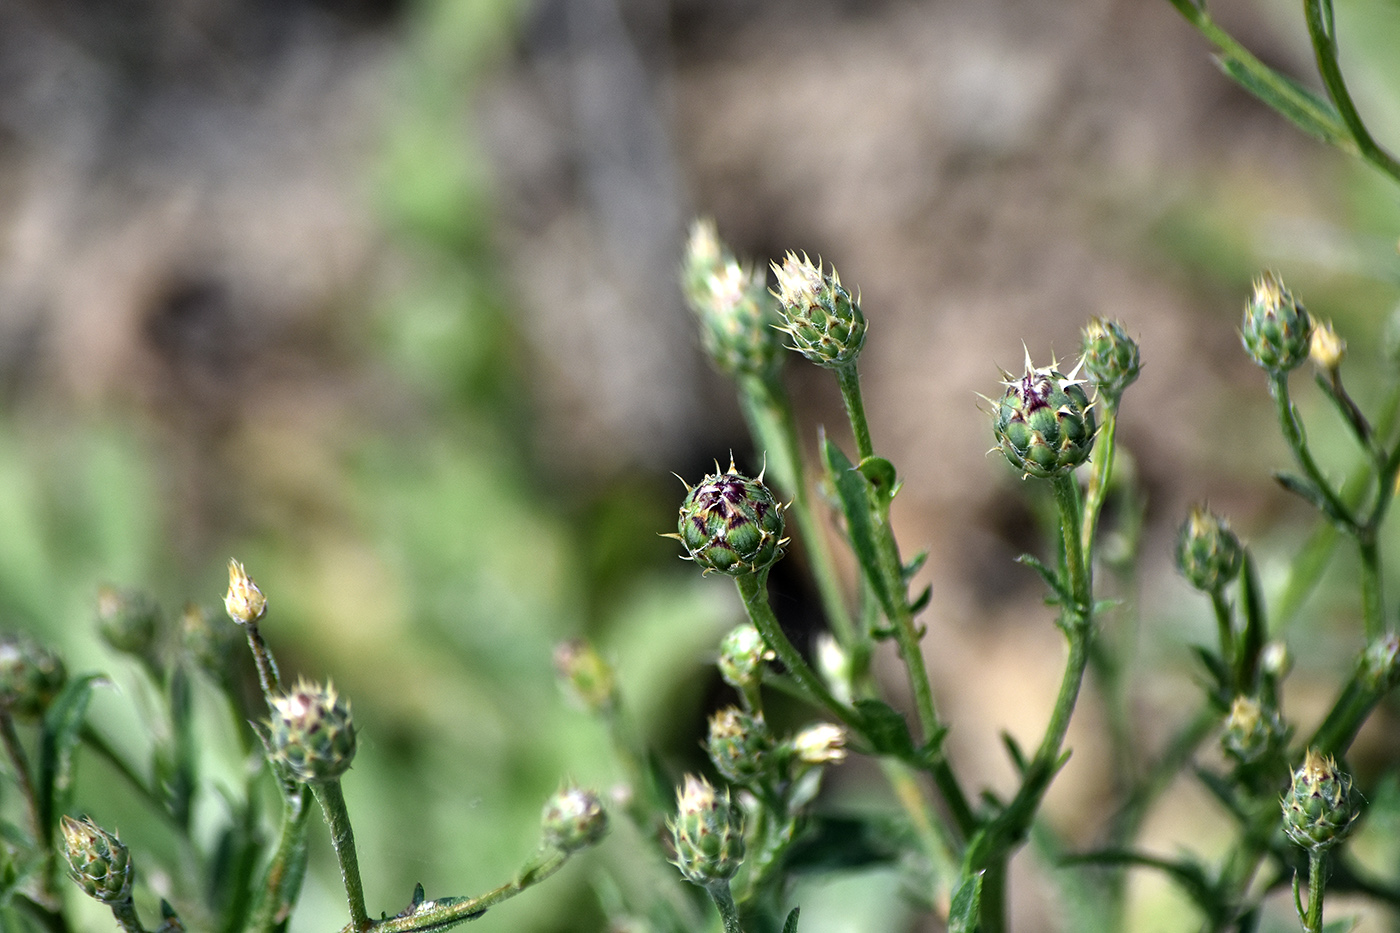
{"x": 1306, "y": 110}
{"x": 1189, "y": 875}
{"x": 966, "y": 905}
{"x": 855, "y": 493}
{"x": 59, "y": 736}
{"x": 1344, "y": 925}
{"x": 1314, "y": 496}
{"x": 1013, "y": 748}
{"x": 791, "y": 925}
{"x": 837, "y": 843}
{"x": 883, "y": 479}
{"x": 885, "y": 728}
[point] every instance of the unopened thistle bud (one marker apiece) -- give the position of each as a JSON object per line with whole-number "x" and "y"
{"x": 311, "y": 733}
{"x": 742, "y": 655}
{"x": 31, "y": 677}
{"x": 244, "y": 602}
{"x": 128, "y": 620}
{"x": 1207, "y": 552}
{"x": 574, "y": 819}
{"x": 588, "y": 677}
{"x": 1327, "y": 349}
{"x": 731, "y": 524}
{"x": 1044, "y": 424}
{"x": 707, "y": 833}
{"x": 732, "y": 304}
{"x": 98, "y": 861}
{"x": 1277, "y": 330}
{"x": 208, "y": 639}
{"x": 822, "y": 744}
{"x": 740, "y": 745}
{"x": 821, "y": 317}
{"x": 1251, "y": 730}
{"x": 1111, "y": 358}
{"x": 1320, "y": 807}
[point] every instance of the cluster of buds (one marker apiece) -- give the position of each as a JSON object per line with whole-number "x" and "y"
{"x": 731, "y": 302}
{"x": 311, "y": 734}
{"x": 707, "y": 833}
{"x": 31, "y": 677}
{"x": 573, "y": 819}
{"x": 821, "y": 317}
{"x": 1320, "y": 808}
{"x": 731, "y": 524}
{"x": 98, "y": 861}
{"x": 1207, "y": 552}
{"x": 1044, "y": 423}
{"x": 1277, "y": 330}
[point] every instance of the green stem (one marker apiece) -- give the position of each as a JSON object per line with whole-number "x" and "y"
{"x": 125, "y": 913}
{"x": 1372, "y": 606}
{"x": 1224, "y": 624}
{"x": 1316, "y": 883}
{"x": 1080, "y": 584}
{"x": 282, "y": 880}
{"x": 268, "y": 676}
{"x": 724, "y": 902}
{"x": 20, "y": 762}
{"x": 849, "y": 380}
{"x": 1105, "y": 445}
{"x": 332, "y": 801}
{"x": 1297, "y": 440}
{"x": 1322, "y": 31}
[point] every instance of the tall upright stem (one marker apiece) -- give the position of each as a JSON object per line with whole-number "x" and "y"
{"x": 332, "y": 801}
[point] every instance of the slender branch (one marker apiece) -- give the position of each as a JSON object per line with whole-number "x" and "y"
{"x": 1322, "y": 31}
{"x": 332, "y": 801}
{"x": 849, "y": 380}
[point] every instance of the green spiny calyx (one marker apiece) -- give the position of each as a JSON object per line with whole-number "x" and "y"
{"x": 1112, "y": 360}
{"x": 732, "y": 304}
{"x": 1320, "y": 807}
{"x": 1207, "y": 552}
{"x": 731, "y": 524}
{"x": 574, "y": 819}
{"x": 311, "y": 733}
{"x": 707, "y": 833}
{"x": 1251, "y": 730}
{"x": 1277, "y": 329}
{"x": 98, "y": 861}
{"x": 31, "y": 677}
{"x": 1044, "y": 424}
{"x": 821, "y": 317}
{"x": 740, "y": 745}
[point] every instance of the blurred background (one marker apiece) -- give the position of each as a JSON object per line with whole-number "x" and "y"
{"x": 380, "y": 297}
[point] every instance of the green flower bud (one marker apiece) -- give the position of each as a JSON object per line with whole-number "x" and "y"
{"x": 1251, "y": 730}
{"x": 1111, "y": 358}
{"x": 209, "y": 640}
{"x": 1277, "y": 330}
{"x": 742, "y": 655}
{"x": 822, "y": 744}
{"x": 820, "y": 316}
{"x": 97, "y": 860}
{"x": 740, "y": 745}
{"x": 574, "y": 819}
{"x": 1044, "y": 424}
{"x": 30, "y": 677}
{"x": 708, "y": 833}
{"x": 1320, "y": 808}
{"x": 731, "y": 302}
{"x": 588, "y": 677}
{"x": 244, "y": 602}
{"x": 1207, "y": 552}
{"x": 129, "y": 621}
{"x": 731, "y": 524}
{"x": 311, "y": 733}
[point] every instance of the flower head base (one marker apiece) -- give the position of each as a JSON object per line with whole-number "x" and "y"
{"x": 731, "y": 302}
{"x": 311, "y": 733}
{"x": 1044, "y": 424}
{"x": 1112, "y": 360}
{"x": 31, "y": 677}
{"x": 574, "y": 819}
{"x": 244, "y": 602}
{"x": 98, "y": 861}
{"x": 1277, "y": 330}
{"x": 1320, "y": 808}
{"x": 821, "y": 317}
{"x": 708, "y": 833}
{"x": 740, "y": 745}
{"x": 731, "y": 524}
{"x": 1207, "y": 552}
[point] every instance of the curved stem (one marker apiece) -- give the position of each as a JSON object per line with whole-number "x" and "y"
{"x": 1322, "y": 31}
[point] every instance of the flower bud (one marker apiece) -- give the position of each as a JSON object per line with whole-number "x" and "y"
{"x": 1320, "y": 808}
{"x": 244, "y": 602}
{"x": 1251, "y": 730}
{"x": 30, "y": 677}
{"x": 731, "y": 524}
{"x": 208, "y": 639}
{"x": 1112, "y": 360}
{"x": 574, "y": 819}
{"x": 1207, "y": 552}
{"x": 311, "y": 733}
{"x": 1277, "y": 330}
{"x": 1327, "y": 350}
{"x": 708, "y": 833}
{"x": 128, "y": 620}
{"x": 1044, "y": 424}
{"x": 98, "y": 861}
{"x": 740, "y": 745}
{"x": 731, "y": 302}
{"x": 822, "y": 744}
{"x": 820, "y": 316}
{"x": 589, "y": 678}
{"x": 1275, "y": 660}
{"x": 742, "y": 655}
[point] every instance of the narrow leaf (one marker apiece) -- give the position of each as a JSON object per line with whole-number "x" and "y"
{"x": 855, "y": 494}
{"x": 885, "y": 728}
{"x": 967, "y": 902}
{"x": 1297, "y": 104}
{"x": 791, "y": 925}
{"x": 60, "y": 734}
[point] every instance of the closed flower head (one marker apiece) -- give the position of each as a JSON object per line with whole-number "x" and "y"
{"x": 821, "y": 317}
{"x": 731, "y": 524}
{"x": 311, "y": 733}
{"x": 1044, "y": 423}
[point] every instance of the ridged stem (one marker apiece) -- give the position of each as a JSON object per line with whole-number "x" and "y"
{"x": 724, "y": 902}
{"x": 849, "y": 380}
{"x": 332, "y": 801}
{"x": 268, "y": 676}
{"x": 1316, "y": 883}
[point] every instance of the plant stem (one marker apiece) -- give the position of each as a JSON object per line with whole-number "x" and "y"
{"x": 20, "y": 761}
{"x": 125, "y": 913}
{"x": 268, "y": 676}
{"x": 1322, "y": 31}
{"x": 1077, "y": 571}
{"x": 282, "y": 880}
{"x": 849, "y": 380}
{"x": 724, "y": 902}
{"x": 332, "y": 802}
{"x": 1313, "y": 923}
